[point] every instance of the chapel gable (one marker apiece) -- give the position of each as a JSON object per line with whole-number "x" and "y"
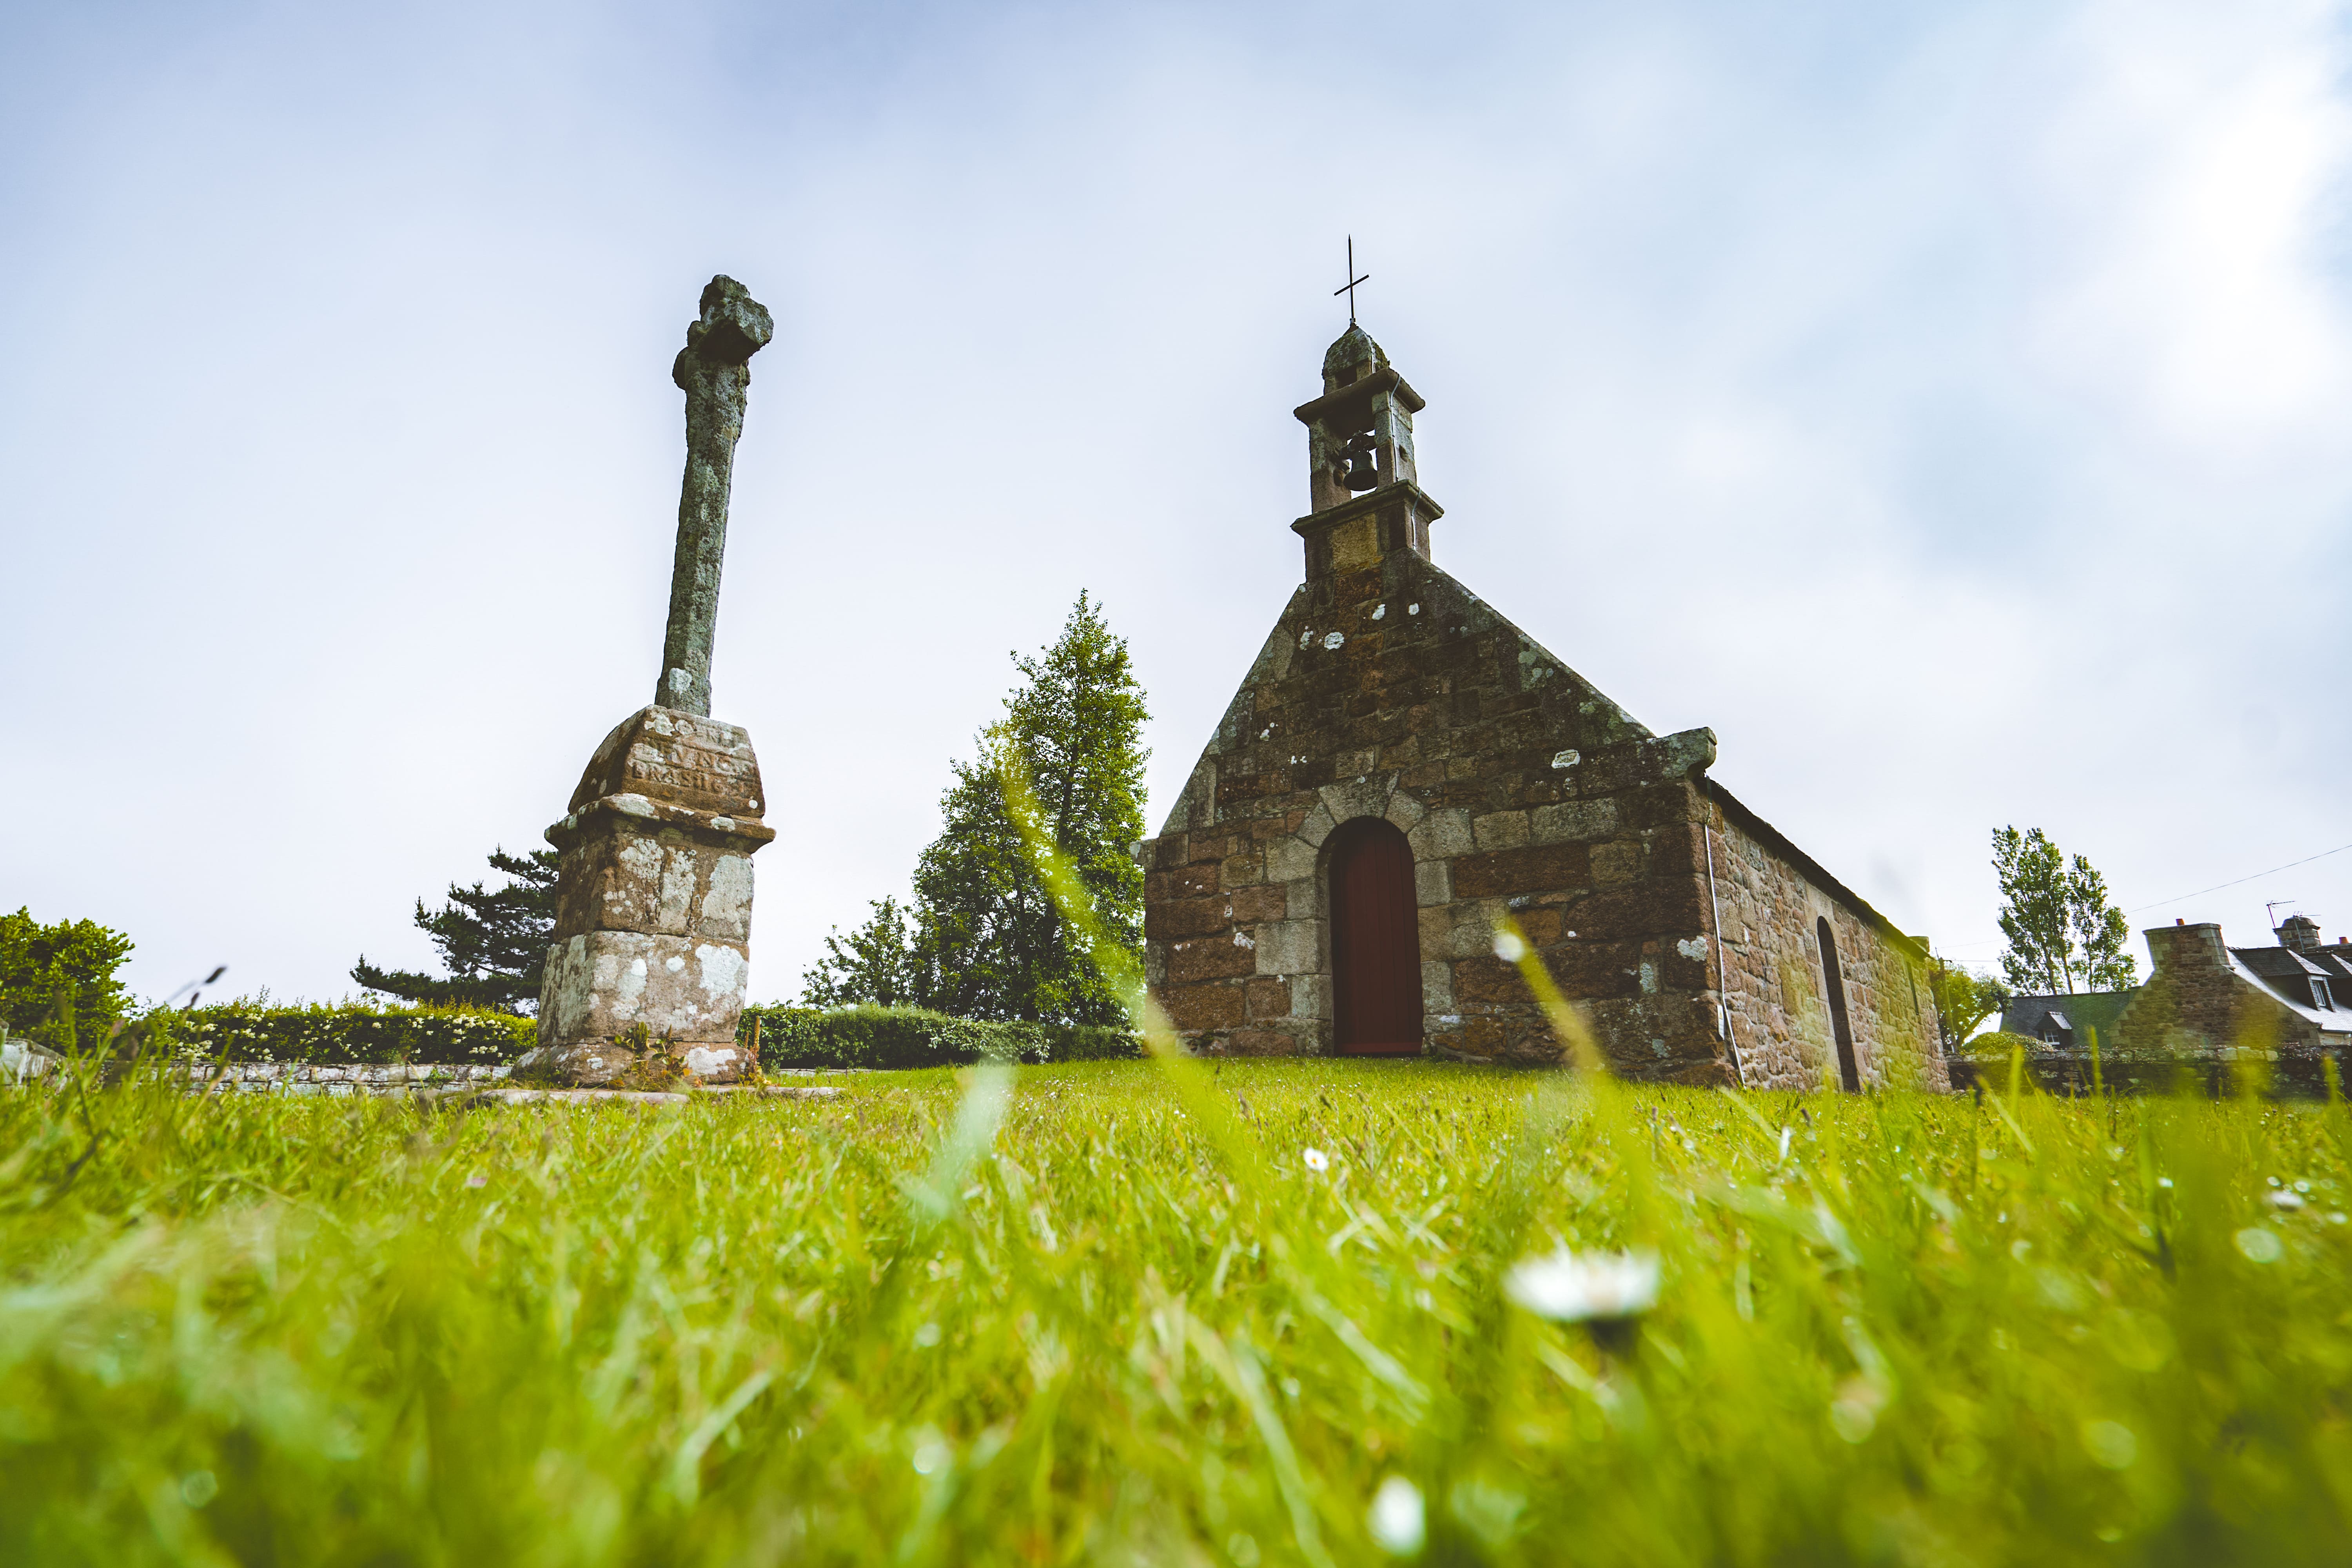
{"x": 1402, "y": 767}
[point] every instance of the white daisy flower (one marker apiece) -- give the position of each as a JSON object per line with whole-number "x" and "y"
{"x": 1397, "y": 1520}
{"x": 1508, "y": 947}
{"x": 1571, "y": 1287}
{"x": 1316, "y": 1159}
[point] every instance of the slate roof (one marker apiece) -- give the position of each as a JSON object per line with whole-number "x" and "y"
{"x": 2337, "y": 961}
{"x": 2290, "y": 974}
{"x": 2071, "y": 1014}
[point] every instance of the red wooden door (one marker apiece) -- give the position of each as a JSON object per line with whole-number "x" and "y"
{"x": 1375, "y": 942}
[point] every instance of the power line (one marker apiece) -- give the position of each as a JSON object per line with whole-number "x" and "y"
{"x": 1978, "y": 946}
{"x": 2219, "y": 886}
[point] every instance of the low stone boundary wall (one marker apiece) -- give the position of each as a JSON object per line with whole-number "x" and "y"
{"x": 628, "y": 1095}
{"x": 2283, "y": 1075}
{"x": 472, "y": 1083}
{"x": 344, "y": 1078}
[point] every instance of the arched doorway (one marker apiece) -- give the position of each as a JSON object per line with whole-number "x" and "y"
{"x": 1375, "y": 942}
{"x": 1849, "y": 1074}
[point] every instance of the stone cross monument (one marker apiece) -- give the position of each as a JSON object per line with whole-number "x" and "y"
{"x": 653, "y": 920}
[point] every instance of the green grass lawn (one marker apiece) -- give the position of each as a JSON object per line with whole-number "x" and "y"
{"x": 1088, "y": 1313}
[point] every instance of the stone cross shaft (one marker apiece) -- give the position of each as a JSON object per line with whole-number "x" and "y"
{"x": 714, "y": 370}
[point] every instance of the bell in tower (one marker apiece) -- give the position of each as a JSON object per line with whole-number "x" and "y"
{"x": 1361, "y": 481}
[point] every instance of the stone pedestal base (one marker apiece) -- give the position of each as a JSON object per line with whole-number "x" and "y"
{"x": 653, "y": 906}
{"x": 601, "y": 984}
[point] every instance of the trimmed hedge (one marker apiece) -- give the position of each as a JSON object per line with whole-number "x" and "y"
{"x": 349, "y": 1032}
{"x": 913, "y": 1038}
{"x": 247, "y": 1031}
{"x": 1995, "y": 1047}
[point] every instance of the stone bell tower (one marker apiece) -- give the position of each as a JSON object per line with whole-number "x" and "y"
{"x": 1361, "y": 479}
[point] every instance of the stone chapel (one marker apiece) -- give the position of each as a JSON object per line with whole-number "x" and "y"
{"x": 1401, "y": 766}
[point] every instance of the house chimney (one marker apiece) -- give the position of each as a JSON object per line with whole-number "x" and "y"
{"x": 2300, "y": 933}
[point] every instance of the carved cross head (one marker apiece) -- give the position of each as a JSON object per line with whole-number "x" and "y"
{"x": 733, "y": 327}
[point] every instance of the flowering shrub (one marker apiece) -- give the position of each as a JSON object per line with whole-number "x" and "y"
{"x": 251, "y": 1030}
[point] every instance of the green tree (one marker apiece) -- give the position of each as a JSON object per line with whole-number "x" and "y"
{"x": 493, "y": 940}
{"x": 986, "y": 943}
{"x": 875, "y": 963}
{"x": 2058, "y": 918}
{"x": 56, "y": 982}
{"x": 1963, "y": 1000}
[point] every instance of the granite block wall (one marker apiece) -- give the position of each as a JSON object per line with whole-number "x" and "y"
{"x": 1391, "y": 690}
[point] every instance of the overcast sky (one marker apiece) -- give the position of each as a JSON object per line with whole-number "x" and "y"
{"x": 1951, "y": 407}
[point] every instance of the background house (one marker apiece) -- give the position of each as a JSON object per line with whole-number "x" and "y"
{"x": 2068, "y": 1022}
{"x": 2287, "y": 1006}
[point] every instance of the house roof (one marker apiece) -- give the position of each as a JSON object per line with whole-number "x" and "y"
{"x": 2276, "y": 962}
{"x": 2079, "y": 1011}
{"x": 2288, "y": 974}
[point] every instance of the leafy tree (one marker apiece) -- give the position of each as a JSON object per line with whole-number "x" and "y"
{"x": 986, "y": 943}
{"x": 874, "y": 964}
{"x": 493, "y": 942}
{"x": 56, "y": 982}
{"x": 1963, "y": 1000}
{"x": 2058, "y": 918}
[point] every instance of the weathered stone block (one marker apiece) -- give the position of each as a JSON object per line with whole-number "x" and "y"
{"x": 1442, "y": 834}
{"x": 1465, "y": 937}
{"x": 1196, "y": 1008}
{"x": 1615, "y": 864}
{"x": 1356, "y": 797}
{"x": 1310, "y": 996}
{"x": 1266, "y": 901}
{"x": 1537, "y": 868}
{"x": 1185, "y": 917}
{"x": 1211, "y": 957}
{"x": 1289, "y": 947}
{"x": 1290, "y": 860}
{"x": 1182, "y": 882}
{"x": 1573, "y": 819}
{"x": 1432, "y": 882}
{"x": 1500, "y": 830}
{"x": 1652, "y": 905}
{"x": 1268, "y": 998}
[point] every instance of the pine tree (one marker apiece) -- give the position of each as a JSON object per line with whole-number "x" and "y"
{"x": 493, "y": 942}
{"x": 2058, "y": 919}
{"x": 986, "y": 941}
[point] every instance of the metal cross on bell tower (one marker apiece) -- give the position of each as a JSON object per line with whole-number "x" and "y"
{"x": 1349, "y": 288}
